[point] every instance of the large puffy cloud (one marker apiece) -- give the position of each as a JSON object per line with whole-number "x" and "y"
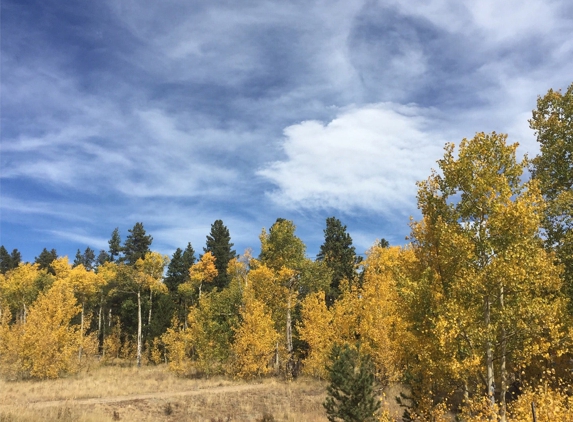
{"x": 366, "y": 158}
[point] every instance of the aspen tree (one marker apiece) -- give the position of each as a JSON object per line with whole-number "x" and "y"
{"x": 49, "y": 340}
{"x": 85, "y": 285}
{"x": 282, "y": 277}
{"x": 486, "y": 292}
{"x": 20, "y": 287}
{"x": 552, "y": 122}
{"x": 255, "y": 340}
{"x": 369, "y": 315}
{"x": 145, "y": 275}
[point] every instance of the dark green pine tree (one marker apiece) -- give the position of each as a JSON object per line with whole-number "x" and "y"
{"x": 188, "y": 258}
{"x": 351, "y": 395}
{"x": 16, "y": 257}
{"x": 115, "y": 248}
{"x": 102, "y": 258}
{"x": 178, "y": 269}
{"x": 339, "y": 255}
{"x": 89, "y": 259}
{"x": 5, "y": 260}
{"x": 136, "y": 244}
{"x": 45, "y": 259}
{"x": 175, "y": 271}
{"x": 219, "y": 244}
{"x": 79, "y": 259}
{"x": 383, "y": 243}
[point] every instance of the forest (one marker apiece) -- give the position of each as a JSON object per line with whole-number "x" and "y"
{"x": 473, "y": 316}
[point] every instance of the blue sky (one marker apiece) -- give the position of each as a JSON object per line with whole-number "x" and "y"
{"x": 178, "y": 113}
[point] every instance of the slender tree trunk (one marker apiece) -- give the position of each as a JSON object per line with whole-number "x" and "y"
{"x": 289, "y": 329}
{"x": 150, "y": 306}
{"x": 277, "y": 363}
{"x": 100, "y": 326}
{"x": 185, "y": 315}
{"x": 139, "y": 338}
{"x": 290, "y": 363}
{"x": 489, "y": 356}
{"x": 81, "y": 333}
{"x": 502, "y": 367}
{"x": 99, "y": 316}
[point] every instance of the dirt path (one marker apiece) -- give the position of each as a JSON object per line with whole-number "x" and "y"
{"x": 149, "y": 396}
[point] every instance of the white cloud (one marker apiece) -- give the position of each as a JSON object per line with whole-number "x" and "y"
{"x": 368, "y": 157}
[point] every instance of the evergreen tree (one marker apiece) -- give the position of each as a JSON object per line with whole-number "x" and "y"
{"x": 219, "y": 244}
{"x": 5, "y": 260}
{"x": 350, "y": 394}
{"x": 89, "y": 259}
{"x": 136, "y": 244}
{"x": 16, "y": 258}
{"x": 176, "y": 271}
{"x": 45, "y": 259}
{"x": 383, "y": 243}
{"x": 188, "y": 258}
{"x": 339, "y": 255}
{"x": 86, "y": 259}
{"x": 115, "y": 248}
{"x": 79, "y": 259}
{"x": 102, "y": 258}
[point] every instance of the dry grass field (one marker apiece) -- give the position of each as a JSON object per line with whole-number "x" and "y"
{"x": 154, "y": 394}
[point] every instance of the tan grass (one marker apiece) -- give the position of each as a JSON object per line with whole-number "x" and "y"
{"x": 152, "y": 393}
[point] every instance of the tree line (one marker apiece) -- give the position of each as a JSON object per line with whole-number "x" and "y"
{"x": 473, "y": 315}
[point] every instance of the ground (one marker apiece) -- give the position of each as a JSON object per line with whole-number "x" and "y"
{"x": 153, "y": 394}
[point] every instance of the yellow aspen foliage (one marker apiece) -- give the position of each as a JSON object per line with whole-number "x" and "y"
{"x": 50, "y": 341}
{"x": 147, "y": 274}
{"x": 380, "y": 325}
{"x": 210, "y": 339}
{"x": 156, "y": 355}
{"x": 61, "y": 267}
{"x": 112, "y": 342}
{"x": 552, "y": 404}
{"x": 10, "y": 346}
{"x": 255, "y": 340}
{"x": 485, "y": 298}
{"x": 267, "y": 287}
{"x": 177, "y": 342}
{"x": 317, "y": 331}
{"x": 211, "y": 323}
{"x": 20, "y": 287}
{"x": 238, "y": 268}
{"x": 203, "y": 271}
{"x": 85, "y": 284}
{"x": 108, "y": 271}
{"x": 368, "y": 317}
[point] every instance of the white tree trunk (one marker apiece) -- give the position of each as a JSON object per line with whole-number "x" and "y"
{"x": 490, "y": 380}
{"x": 150, "y": 306}
{"x": 139, "y": 338}
{"x": 502, "y": 367}
{"x": 81, "y": 333}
